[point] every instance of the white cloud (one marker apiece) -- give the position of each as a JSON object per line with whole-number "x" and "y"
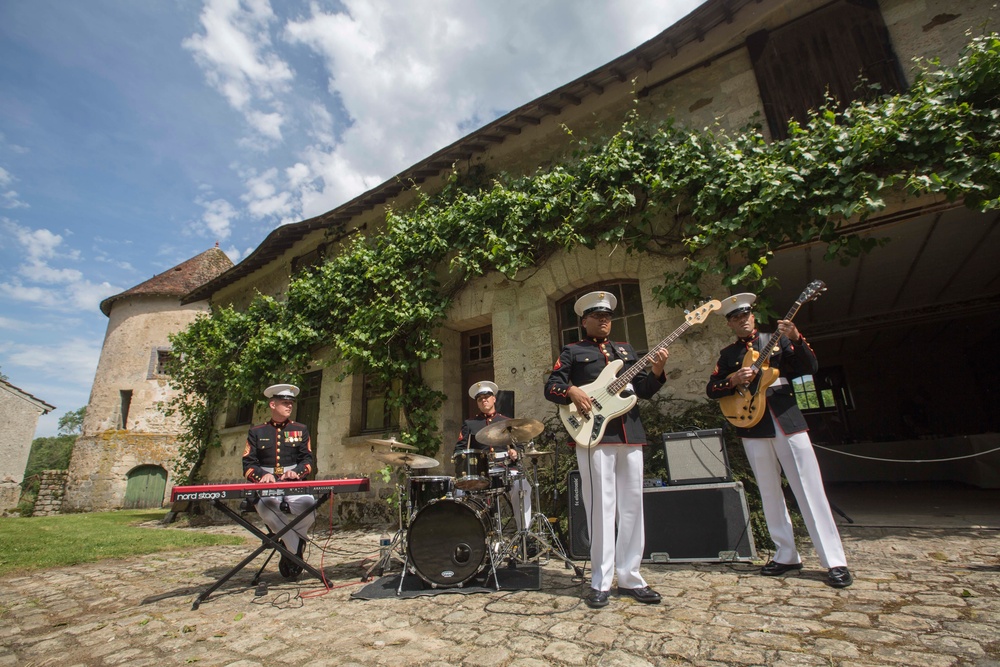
{"x": 235, "y": 255}
{"x": 83, "y": 295}
{"x": 39, "y": 283}
{"x": 43, "y": 273}
{"x": 234, "y": 50}
{"x": 9, "y": 198}
{"x": 71, "y": 360}
{"x": 13, "y": 325}
{"x": 38, "y": 244}
{"x": 217, "y": 218}
{"x": 268, "y": 124}
{"x": 403, "y": 79}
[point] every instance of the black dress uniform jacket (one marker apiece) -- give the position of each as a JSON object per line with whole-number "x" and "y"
{"x": 791, "y": 359}
{"x": 271, "y": 444}
{"x": 580, "y": 363}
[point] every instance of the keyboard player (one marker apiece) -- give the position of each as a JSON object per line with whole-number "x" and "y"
{"x": 281, "y": 450}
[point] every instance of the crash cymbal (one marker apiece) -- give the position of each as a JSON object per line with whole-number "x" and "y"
{"x": 392, "y": 442}
{"x": 415, "y": 461}
{"x": 502, "y": 433}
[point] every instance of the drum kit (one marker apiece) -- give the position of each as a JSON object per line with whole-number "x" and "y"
{"x": 454, "y": 528}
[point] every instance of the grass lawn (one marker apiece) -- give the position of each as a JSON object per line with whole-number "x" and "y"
{"x": 68, "y": 539}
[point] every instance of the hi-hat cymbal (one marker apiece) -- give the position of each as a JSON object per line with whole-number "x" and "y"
{"x": 392, "y": 442}
{"x": 534, "y": 453}
{"x": 501, "y": 434}
{"x": 415, "y": 461}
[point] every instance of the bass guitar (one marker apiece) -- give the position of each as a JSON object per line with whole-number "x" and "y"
{"x": 605, "y": 392}
{"x": 746, "y": 405}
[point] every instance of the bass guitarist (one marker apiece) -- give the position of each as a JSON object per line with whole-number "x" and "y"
{"x": 610, "y": 472}
{"x": 780, "y": 440}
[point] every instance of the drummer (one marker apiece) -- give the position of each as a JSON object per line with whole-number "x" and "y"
{"x": 485, "y": 395}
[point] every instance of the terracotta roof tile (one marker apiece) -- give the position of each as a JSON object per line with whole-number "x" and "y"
{"x": 179, "y": 280}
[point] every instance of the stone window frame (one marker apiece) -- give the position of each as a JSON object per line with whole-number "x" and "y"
{"x": 628, "y": 323}
{"x": 155, "y": 362}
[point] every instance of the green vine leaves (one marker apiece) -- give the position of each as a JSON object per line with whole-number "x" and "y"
{"x": 723, "y": 203}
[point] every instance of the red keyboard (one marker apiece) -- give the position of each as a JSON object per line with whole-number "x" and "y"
{"x": 315, "y": 487}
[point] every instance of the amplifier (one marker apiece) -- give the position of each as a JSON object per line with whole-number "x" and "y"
{"x": 696, "y": 457}
{"x": 697, "y": 523}
{"x": 683, "y": 524}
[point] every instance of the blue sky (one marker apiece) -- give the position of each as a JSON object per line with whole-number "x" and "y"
{"x": 135, "y": 135}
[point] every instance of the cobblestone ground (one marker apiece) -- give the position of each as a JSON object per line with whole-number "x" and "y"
{"x": 921, "y": 597}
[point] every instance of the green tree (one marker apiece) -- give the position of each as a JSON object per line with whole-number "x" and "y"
{"x": 71, "y": 423}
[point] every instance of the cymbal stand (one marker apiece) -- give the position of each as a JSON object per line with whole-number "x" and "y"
{"x": 397, "y": 543}
{"x": 538, "y": 529}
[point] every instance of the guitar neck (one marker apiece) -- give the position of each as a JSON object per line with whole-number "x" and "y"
{"x": 773, "y": 340}
{"x": 646, "y": 360}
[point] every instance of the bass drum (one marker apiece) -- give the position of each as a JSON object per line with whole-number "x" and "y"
{"x": 448, "y": 541}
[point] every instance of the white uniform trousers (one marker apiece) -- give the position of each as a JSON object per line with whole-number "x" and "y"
{"x": 520, "y": 501}
{"x": 795, "y": 455}
{"x": 275, "y": 519}
{"x": 611, "y": 477}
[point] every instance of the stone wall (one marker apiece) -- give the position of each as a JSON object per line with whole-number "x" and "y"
{"x": 10, "y": 494}
{"x": 51, "y": 491}
{"x": 20, "y": 418}
{"x": 98, "y": 472}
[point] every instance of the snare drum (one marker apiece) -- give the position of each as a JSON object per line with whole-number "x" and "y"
{"x": 499, "y": 479}
{"x": 472, "y": 469}
{"x": 424, "y": 489}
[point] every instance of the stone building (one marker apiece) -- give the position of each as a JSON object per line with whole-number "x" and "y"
{"x": 725, "y": 64}
{"x": 122, "y": 457}
{"x": 20, "y": 411}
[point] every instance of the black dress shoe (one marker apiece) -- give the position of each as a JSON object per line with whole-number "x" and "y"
{"x": 839, "y": 577}
{"x": 596, "y": 599}
{"x": 646, "y": 595}
{"x": 774, "y": 568}
{"x": 288, "y": 568}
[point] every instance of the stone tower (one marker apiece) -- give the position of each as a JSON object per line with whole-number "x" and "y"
{"x": 122, "y": 458}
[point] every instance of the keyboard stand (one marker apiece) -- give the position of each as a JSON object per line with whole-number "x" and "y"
{"x": 271, "y": 541}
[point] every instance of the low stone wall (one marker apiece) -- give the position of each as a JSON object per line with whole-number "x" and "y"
{"x": 51, "y": 491}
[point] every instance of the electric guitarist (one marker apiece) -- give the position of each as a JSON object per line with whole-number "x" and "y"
{"x": 780, "y": 438}
{"x": 611, "y": 471}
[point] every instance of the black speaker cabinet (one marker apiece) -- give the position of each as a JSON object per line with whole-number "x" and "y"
{"x": 697, "y": 523}
{"x": 579, "y": 531}
{"x": 691, "y": 523}
{"x": 505, "y": 403}
{"x": 696, "y": 457}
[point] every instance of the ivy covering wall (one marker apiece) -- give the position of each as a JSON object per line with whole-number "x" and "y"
{"x": 706, "y": 197}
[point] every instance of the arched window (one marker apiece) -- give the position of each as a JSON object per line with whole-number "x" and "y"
{"x": 628, "y": 323}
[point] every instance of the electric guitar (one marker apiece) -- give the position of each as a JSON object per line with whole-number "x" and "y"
{"x": 604, "y": 392}
{"x": 746, "y": 405}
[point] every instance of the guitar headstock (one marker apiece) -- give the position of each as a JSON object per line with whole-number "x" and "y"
{"x": 812, "y": 291}
{"x": 698, "y": 315}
